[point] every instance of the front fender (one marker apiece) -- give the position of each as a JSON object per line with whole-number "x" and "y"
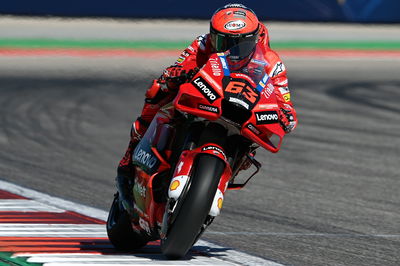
{"x": 185, "y": 164}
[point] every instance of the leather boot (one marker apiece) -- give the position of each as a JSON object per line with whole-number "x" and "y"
{"x": 124, "y": 186}
{"x": 125, "y": 173}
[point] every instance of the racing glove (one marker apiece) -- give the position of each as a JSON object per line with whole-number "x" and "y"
{"x": 175, "y": 75}
{"x": 287, "y": 120}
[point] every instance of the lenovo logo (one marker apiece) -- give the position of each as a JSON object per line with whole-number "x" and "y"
{"x": 205, "y": 89}
{"x": 145, "y": 158}
{"x": 267, "y": 117}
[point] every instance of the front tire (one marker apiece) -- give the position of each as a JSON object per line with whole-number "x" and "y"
{"x": 193, "y": 211}
{"x": 119, "y": 229}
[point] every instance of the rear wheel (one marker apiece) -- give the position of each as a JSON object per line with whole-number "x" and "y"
{"x": 119, "y": 229}
{"x": 192, "y": 210}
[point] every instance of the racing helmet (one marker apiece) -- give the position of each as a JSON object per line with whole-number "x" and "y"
{"x": 234, "y": 26}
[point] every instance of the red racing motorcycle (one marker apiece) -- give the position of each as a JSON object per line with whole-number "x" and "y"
{"x": 192, "y": 153}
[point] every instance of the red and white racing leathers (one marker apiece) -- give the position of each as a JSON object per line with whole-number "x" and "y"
{"x": 196, "y": 55}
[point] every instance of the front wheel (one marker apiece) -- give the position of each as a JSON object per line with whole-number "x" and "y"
{"x": 191, "y": 214}
{"x": 119, "y": 229}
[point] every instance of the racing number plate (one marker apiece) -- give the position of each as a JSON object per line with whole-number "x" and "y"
{"x": 241, "y": 92}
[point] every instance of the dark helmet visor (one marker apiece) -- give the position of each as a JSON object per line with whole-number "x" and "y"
{"x": 223, "y": 42}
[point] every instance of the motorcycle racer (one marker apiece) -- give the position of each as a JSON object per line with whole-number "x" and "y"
{"x": 230, "y": 25}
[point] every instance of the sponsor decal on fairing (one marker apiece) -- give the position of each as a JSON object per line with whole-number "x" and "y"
{"x": 224, "y": 64}
{"x": 268, "y": 106}
{"x": 214, "y": 148}
{"x": 266, "y": 117}
{"x": 216, "y": 206}
{"x": 240, "y": 102}
{"x": 253, "y": 128}
{"x": 215, "y": 67}
{"x": 176, "y": 186}
{"x": 208, "y": 108}
{"x": 204, "y": 88}
{"x": 145, "y": 158}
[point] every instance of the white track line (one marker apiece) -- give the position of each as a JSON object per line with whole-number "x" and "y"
{"x": 92, "y": 258}
{"x": 137, "y": 259}
{"x": 303, "y": 234}
{"x": 227, "y": 257}
{"x": 137, "y": 263}
{"x": 53, "y": 201}
{"x": 27, "y": 206}
{"x": 53, "y": 230}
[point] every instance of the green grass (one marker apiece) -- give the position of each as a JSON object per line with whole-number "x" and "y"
{"x": 92, "y": 44}
{"x": 6, "y": 259}
{"x": 179, "y": 45}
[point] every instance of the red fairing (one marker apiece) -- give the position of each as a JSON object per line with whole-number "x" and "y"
{"x": 200, "y": 50}
{"x": 259, "y": 127}
{"x": 187, "y": 158}
{"x": 203, "y": 97}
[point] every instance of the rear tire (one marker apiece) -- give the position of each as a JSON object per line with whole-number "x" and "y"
{"x": 119, "y": 229}
{"x": 193, "y": 211}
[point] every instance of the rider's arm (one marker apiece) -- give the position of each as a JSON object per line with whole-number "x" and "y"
{"x": 278, "y": 73}
{"x": 194, "y": 56}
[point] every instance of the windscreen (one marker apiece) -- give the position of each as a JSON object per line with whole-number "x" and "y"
{"x": 252, "y": 66}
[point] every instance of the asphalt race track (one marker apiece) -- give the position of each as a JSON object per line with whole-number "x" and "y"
{"x": 329, "y": 197}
